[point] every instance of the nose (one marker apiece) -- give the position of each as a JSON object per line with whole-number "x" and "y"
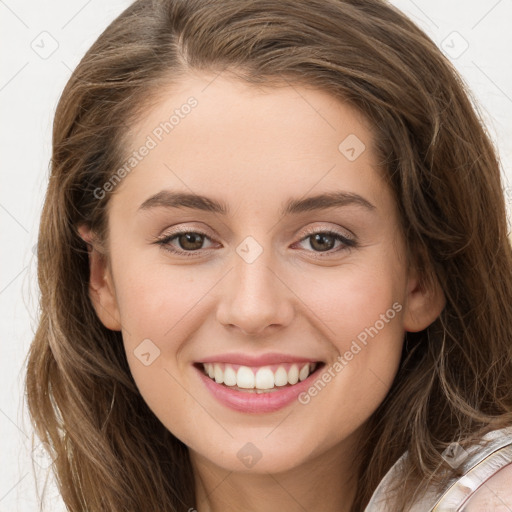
{"x": 255, "y": 299}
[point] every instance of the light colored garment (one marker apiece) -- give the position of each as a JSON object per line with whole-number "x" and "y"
{"x": 478, "y": 463}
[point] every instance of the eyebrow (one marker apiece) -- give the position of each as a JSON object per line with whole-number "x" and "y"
{"x": 171, "y": 199}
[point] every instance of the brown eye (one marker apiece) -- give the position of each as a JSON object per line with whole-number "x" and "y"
{"x": 185, "y": 243}
{"x": 329, "y": 242}
{"x": 190, "y": 241}
{"x": 322, "y": 241}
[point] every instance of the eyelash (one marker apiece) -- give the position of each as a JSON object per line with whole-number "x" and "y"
{"x": 347, "y": 243}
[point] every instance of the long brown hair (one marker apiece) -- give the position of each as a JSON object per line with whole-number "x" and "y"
{"x": 455, "y": 379}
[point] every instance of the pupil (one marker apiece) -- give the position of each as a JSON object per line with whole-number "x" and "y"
{"x": 189, "y": 241}
{"x": 321, "y": 239}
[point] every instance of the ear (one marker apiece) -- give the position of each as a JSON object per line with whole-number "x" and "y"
{"x": 423, "y": 304}
{"x": 101, "y": 285}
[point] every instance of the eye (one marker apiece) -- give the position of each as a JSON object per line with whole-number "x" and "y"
{"x": 323, "y": 241}
{"x": 188, "y": 242}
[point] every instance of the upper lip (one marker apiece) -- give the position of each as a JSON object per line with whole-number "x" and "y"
{"x": 260, "y": 360}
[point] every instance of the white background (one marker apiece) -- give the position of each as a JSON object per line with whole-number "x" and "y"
{"x": 30, "y": 84}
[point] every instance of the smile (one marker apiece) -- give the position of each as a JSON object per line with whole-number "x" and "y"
{"x": 262, "y": 384}
{"x": 258, "y": 379}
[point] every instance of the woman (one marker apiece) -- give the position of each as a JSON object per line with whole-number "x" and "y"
{"x": 274, "y": 268}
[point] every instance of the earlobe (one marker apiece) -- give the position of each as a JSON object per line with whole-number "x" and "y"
{"x": 423, "y": 304}
{"x": 101, "y": 285}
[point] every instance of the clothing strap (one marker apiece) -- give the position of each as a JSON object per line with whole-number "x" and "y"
{"x": 478, "y": 463}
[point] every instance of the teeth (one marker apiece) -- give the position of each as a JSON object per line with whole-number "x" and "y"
{"x": 218, "y": 373}
{"x": 245, "y": 378}
{"x": 281, "y": 377}
{"x": 293, "y": 374}
{"x": 261, "y": 379}
{"x": 264, "y": 379}
{"x": 230, "y": 378}
{"x": 304, "y": 372}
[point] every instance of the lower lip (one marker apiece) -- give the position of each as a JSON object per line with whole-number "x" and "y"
{"x": 247, "y": 401}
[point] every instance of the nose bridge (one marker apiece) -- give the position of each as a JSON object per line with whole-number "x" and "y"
{"x": 255, "y": 297}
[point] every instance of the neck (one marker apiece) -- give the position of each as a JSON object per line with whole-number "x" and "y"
{"x": 326, "y": 482}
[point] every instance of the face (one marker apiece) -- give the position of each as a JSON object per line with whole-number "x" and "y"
{"x": 257, "y": 273}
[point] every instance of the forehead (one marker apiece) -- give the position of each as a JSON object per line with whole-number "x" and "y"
{"x": 221, "y": 104}
{"x": 212, "y": 135}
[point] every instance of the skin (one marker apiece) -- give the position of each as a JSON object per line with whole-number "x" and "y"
{"x": 254, "y": 149}
{"x": 495, "y": 495}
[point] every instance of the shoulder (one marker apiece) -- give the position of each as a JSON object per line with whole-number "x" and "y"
{"x": 489, "y": 461}
{"x": 495, "y": 494}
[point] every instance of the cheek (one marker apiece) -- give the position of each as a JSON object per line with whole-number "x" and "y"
{"x": 356, "y": 381}
{"x": 158, "y": 317}
{"x": 154, "y": 301}
{"x": 353, "y": 299}
{"x": 158, "y": 304}
{"x": 362, "y": 312}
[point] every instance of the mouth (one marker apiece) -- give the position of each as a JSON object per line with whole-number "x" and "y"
{"x": 259, "y": 379}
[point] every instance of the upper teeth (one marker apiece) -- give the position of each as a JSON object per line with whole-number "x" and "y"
{"x": 260, "y": 378}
